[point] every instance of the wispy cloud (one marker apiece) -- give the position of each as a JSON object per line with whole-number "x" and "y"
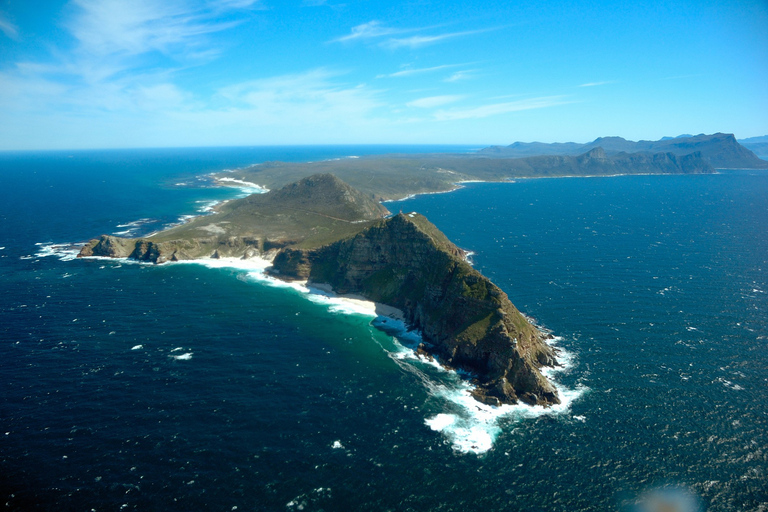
{"x": 371, "y": 30}
{"x": 8, "y": 28}
{"x": 461, "y": 75}
{"x": 417, "y": 41}
{"x": 115, "y": 27}
{"x": 124, "y": 56}
{"x": 375, "y": 30}
{"x": 434, "y": 101}
{"x": 312, "y": 96}
{"x": 418, "y": 71}
{"x": 500, "y": 108}
{"x": 595, "y": 84}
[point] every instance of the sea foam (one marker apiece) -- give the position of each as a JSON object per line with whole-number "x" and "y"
{"x": 246, "y": 187}
{"x": 468, "y": 425}
{"x": 65, "y": 252}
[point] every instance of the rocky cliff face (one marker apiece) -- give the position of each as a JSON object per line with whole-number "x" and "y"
{"x": 403, "y": 261}
{"x": 466, "y": 321}
{"x": 176, "y": 250}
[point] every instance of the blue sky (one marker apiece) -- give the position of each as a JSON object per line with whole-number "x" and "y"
{"x": 140, "y": 73}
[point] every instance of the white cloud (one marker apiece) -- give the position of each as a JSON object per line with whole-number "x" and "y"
{"x": 460, "y": 75}
{"x": 375, "y": 30}
{"x": 417, "y": 71}
{"x": 595, "y": 84}
{"x": 500, "y": 108}
{"x": 371, "y": 30}
{"x": 8, "y": 28}
{"x": 310, "y": 97}
{"x": 417, "y": 41}
{"x": 114, "y": 65}
{"x": 434, "y": 101}
{"x": 160, "y": 97}
{"x": 116, "y": 27}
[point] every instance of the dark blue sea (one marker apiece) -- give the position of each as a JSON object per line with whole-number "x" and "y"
{"x": 186, "y": 387}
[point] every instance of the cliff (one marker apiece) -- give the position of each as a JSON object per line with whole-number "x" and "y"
{"x": 322, "y": 230}
{"x": 466, "y": 320}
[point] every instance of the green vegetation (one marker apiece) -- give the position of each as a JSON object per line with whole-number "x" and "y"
{"x": 323, "y": 230}
{"x": 390, "y": 177}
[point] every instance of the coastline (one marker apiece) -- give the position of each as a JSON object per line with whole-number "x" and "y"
{"x": 468, "y": 425}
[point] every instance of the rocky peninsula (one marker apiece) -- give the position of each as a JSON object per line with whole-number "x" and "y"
{"x": 322, "y": 230}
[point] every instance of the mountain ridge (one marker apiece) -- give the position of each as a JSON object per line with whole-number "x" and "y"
{"x": 721, "y": 150}
{"x": 322, "y": 230}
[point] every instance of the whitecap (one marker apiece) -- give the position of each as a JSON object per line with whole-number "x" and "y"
{"x": 207, "y": 207}
{"x": 468, "y": 425}
{"x": 65, "y": 252}
{"x": 473, "y": 427}
{"x": 137, "y": 347}
{"x": 246, "y": 187}
{"x": 135, "y": 223}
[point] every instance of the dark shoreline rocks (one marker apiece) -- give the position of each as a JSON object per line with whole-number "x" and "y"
{"x": 402, "y": 261}
{"x": 466, "y": 320}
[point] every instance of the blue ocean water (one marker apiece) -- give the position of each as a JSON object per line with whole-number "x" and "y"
{"x": 182, "y": 387}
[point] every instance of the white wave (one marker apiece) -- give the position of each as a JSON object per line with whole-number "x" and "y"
{"x": 65, "y": 252}
{"x": 2, "y": 248}
{"x": 207, "y": 207}
{"x": 137, "y": 347}
{"x": 729, "y": 384}
{"x": 246, "y": 187}
{"x": 470, "y": 426}
{"x": 337, "y": 445}
{"x": 135, "y": 223}
{"x": 473, "y": 427}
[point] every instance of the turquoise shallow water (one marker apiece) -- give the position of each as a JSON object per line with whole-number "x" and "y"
{"x": 182, "y": 387}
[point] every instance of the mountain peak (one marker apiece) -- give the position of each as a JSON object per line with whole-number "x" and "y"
{"x": 324, "y": 194}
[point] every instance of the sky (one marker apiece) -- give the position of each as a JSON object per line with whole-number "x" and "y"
{"x": 82, "y": 74}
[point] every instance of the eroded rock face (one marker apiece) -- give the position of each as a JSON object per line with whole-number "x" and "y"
{"x": 467, "y": 321}
{"x": 176, "y": 250}
{"x": 403, "y": 261}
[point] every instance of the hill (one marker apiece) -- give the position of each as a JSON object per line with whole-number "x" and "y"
{"x": 396, "y": 176}
{"x": 323, "y": 230}
{"x": 721, "y": 150}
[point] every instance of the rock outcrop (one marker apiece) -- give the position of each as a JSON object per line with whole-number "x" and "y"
{"x": 466, "y": 320}
{"x": 332, "y": 234}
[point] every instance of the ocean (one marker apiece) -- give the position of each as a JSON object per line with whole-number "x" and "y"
{"x": 184, "y": 387}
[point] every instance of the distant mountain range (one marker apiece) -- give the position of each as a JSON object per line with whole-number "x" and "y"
{"x": 721, "y": 150}
{"x": 758, "y": 145}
